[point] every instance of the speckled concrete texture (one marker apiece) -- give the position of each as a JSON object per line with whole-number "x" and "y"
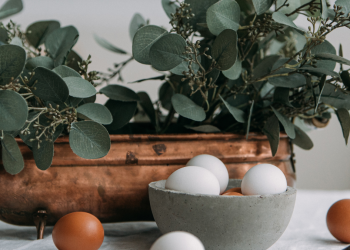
{"x": 223, "y": 222}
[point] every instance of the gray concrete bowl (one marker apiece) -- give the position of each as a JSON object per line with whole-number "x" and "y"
{"x": 223, "y": 222}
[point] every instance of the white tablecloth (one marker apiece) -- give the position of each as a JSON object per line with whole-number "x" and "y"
{"x": 307, "y": 229}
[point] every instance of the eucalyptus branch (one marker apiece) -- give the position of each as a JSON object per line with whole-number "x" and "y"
{"x": 107, "y": 77}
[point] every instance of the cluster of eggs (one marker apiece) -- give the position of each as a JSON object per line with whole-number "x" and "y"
{"x": 206, "y": 174}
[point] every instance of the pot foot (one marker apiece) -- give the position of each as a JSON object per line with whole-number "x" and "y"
{"x": 40, "y": 223}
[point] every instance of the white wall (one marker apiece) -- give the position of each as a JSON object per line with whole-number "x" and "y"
{"x": 324, "y": 167}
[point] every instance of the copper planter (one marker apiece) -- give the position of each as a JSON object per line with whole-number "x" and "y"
{"x": 115, "y": 188}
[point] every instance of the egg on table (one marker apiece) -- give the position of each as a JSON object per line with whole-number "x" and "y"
{"x": 214, "y": 165}
{"x": 264, "y": 179}
{"x": 78, "y": 230}
{"x": 338, "y": 220}
{"x": 178, "y": 241}
{"x": 195, "y": 180}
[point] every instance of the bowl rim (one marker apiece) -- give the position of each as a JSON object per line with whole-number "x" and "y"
{"x": 154, "y": 186}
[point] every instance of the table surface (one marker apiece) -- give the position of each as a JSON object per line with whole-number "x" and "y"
{"x": 307, "y": 229}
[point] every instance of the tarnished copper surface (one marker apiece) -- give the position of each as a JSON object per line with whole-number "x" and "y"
{"x": 115, "y": 188}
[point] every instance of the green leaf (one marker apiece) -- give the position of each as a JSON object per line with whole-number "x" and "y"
{"x": 325, "y": 47}
{"x": 205, "y": 129}
{"x": 183, "y": 66}
{"x": 294, "y": 80}
{"x": 107, "y": 45}
{"x": 238, "y": 114}
{"x": 64, "y": 71}
{"x": 168, "y": 52}
{"x": 120, "y": 93}
{"x": 281, "y": 95}
{"x": 37, "y": 32}
{"x": 13, "y": 59}
{"x": 344, "y": 119}
{"x": 345, "y": 4}
{"x": 13, "y": 110}
{"x": 60, "y": 42}
{"x": 319, "y": 71}
{"x": 272, "y": 131}
{"x": 4, "y": 37}
{"x": 261, "y": 6}
{"x": 95, "y": 112}
{"x": 79, "y": 87}
{"x": 89, "y": 140}
{"x": 187, "y": 108}
{"x": 283, "y": 19}
{"x": 321, "y": 87}
{"x": 73, "y": 101}
{"x": 40, "y": 61}
{"x": 335, "y": 98}
{"x": 73, "y": 59}
{"x": 147, "y": 106}
{"x": 136, "y": 22}
{"x": 235, "y": 71}
{"x": 324, "y": 9}
{"x": 265, "y": 66}
{"x": 43, "y": 154}
{"x": 122, "y": 113}
{"x": 169, "y": 7}
{"x": 49, "y": 86}
{"x": 345, "y": 78}
{"x": 12, "y": 158}
{"x": 302, "y": 140}
{"x": 332, "y": 57}
{"x": 10, "y": 8}
{"x": 287, "y": 124}
{"x": 165, "y": 93}
{"x": 143, "y": 40}
{"x": 224, "y": 49}
{"x": 162, "y": 77}
{"x": 249, "y": 119}
{"x": 199, "y": 9}
{"x": 223, "y": 15}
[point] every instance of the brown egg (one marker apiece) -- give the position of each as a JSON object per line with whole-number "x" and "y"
{"x": 233, "y": 194}
{"x": 78, "y": 231}
{"x": 237, "y": 190}
{"x": 338, "y": 220}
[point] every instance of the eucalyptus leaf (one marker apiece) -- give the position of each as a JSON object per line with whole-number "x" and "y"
{"x": 43, "y": 154}
{"x": 324, "y": 9}
{"x": 183, "y": 66}
{"x": 283, "y": 19}
{"x": 265, "y": 66}
{"x": 302, "y": 140}
{"x": 12, "y": 158}
{"x": 147, "y": 106}
{"x": 332, "y": 57}
{"x": 345, "y": 76}
{"x": 168, "y": 52}
{"x": 13, "y": 59}
{"x": 169, "y": 7}
{"x": 107, "y": 45}
{"x": 4, "y": 37}
{"x": 165, "y": 93}
{"x": 335, "y": 98}
{"x": 261, "y": 6}
{"x": 345, "y": 4}
{"x": 49, "y": 86}
{"x": 13, "y": 110}
{"x": 325, "y": 47}
{"x": 73, "y": 101}
{"x": 187, "y": 108}
{"x": 199, "y": 9}
{"x": 272, "y": 131}
{"x": 64, "y": 71}
{"x": 73, "y": 59}
{"x": 60, "y": 42}
{"x": 235, "y": 71}
{"x": 79, "y": 87}
{"x": 205, "y": 129}
{"x": 238, "y": 114}
{"x": 122, "y": 113}
{"x": 223, "y": 15}
{"x": 286, "y": 122}
{"x": 89, "y": 140}
{"x": 96, "y": 112}
{"x": 136, "y": 22}
{"x": 58, "y": 132}
{"x": 281, "y": 95}
{"x": 224, "y": 49}
{"x": 143, "y": 40}
{"x": 37, "y": 32}
{"x": 294, "y": 80}
{"x": 17, "y": 41}
{"x": 40, "y": 61}
{"x": 344, "y": 119}
{"x": 10, "y": 7}
{"x": 120, "y": 93}
{"x": 250, "y": 119}
{"x": 320, "y": 71}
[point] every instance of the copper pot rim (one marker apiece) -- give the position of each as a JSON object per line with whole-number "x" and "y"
{"x": 177, "y": 137}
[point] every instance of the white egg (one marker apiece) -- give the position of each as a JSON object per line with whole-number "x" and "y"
{"x": 178, "y": 241}
{"x": 264, "y": 179}
{"x": 195, "y": 180}
{"x": 214, "y": 165}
